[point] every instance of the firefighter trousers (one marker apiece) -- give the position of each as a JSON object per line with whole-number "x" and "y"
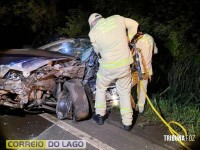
{"x": 122, "y": 78}
{"x": 141, "y": 99}
{"x": 141, "y": 93}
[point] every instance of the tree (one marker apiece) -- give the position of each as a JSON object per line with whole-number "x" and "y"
{"x": 40, "y": 16}
{"x": 76, "y": 24}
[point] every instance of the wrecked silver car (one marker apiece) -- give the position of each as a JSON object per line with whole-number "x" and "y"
{"x": 59, "y": 77}
{"x": 82, "y": 48}
{"x": 32, "y": 79}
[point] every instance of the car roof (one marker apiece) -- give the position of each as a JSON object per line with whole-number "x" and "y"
{"x": 32, "y": 52}
{"x": 61, "y": 41}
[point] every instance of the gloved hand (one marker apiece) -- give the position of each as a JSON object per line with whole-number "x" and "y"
{"x": 146, "y": 76}
{"x": 134, "y": 78}
{"x": 131, "y": 45}
{"x": 150, "y": 78}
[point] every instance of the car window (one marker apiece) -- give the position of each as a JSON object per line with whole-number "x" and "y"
{"x": 79, "y": 47}
{"x": 82, "y": 48}
{"x": 66, "y": 48}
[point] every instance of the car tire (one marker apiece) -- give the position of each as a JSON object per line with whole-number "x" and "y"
{"x": 72, "y": 102}
{"x": 64, "y": 105}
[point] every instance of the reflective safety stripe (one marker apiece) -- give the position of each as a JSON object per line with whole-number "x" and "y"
{"x": 99, "y": 75}
{"x": 100, "y": 105}
{"x": 140, "y": 105}
{"x": 130, "y": 36}
{"x": 126, "y": 110}
{"x": 106, "y": 25}
{"x": 119, "y": 63}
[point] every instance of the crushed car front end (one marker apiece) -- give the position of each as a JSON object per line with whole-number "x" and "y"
{"x": 33, "y": 79}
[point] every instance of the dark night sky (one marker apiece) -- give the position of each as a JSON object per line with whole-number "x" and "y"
{"x": 17, "y": 36}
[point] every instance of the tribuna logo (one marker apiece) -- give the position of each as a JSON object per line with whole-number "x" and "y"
{"x": 182, "y": 138}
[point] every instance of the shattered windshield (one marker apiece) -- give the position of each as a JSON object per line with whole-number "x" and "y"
{"x": 79, "y": 47}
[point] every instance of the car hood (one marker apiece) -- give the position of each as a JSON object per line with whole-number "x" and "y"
{"x": 27, "y": 60}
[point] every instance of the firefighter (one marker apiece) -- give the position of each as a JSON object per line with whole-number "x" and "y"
{"x": 109, "y": 39}
{"x": 146, "y": 47}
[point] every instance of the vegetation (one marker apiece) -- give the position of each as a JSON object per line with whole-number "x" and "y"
{"x": 76, "y": 23}
{"x": 186, "y": 115}
{"x": 173, "y": 23}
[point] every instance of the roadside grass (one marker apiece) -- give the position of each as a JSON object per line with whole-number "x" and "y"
{"x": 180, "y": 101}
{"x": 187, "y": 115}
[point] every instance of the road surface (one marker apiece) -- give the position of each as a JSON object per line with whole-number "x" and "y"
{"x": 16, "y": 125}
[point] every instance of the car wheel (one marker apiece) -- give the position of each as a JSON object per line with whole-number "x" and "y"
{"x": 73, "y": 102}
{"x": 64, "y": 105}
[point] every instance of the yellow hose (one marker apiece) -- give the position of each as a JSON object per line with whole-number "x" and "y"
{"x": 172, "y": 131}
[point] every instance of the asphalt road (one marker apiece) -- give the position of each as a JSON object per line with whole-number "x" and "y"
{"x": 17, "y": 125}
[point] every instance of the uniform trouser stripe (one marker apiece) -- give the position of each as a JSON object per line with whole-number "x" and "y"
{"x": 141, "y": 93}
{"x": 123, "y": 78}
{"x": 118, "y": 64}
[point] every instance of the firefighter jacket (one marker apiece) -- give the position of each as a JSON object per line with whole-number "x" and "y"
{"x": 147, "y": 48}
{"x": 109, "y": 39}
